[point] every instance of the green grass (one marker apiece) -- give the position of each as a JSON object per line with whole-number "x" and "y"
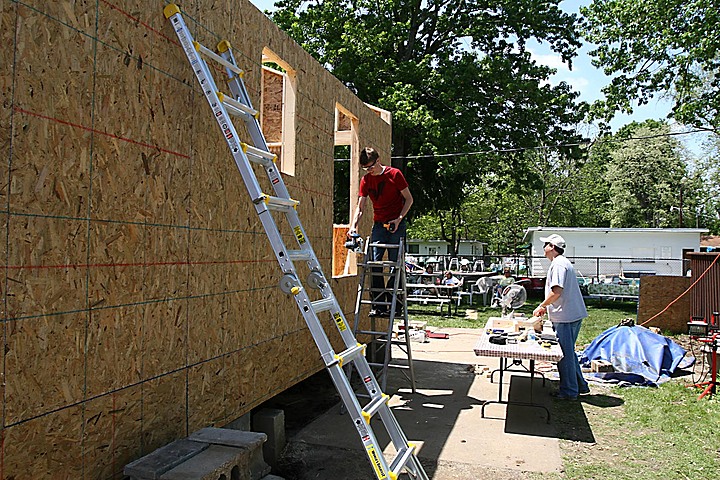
{"x": 646, "y": 434}
{"x": 622, "y": 433}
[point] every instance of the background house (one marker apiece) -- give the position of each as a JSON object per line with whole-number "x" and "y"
{"x": 468, "y": 248}
{"x": 625, "y": 252}
{"x": 140, "y": 293}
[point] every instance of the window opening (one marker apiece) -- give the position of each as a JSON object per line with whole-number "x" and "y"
{"x": 277, "y": 112}
{"x": 346, "y": 181}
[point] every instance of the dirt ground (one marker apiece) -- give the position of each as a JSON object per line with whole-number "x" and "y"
{"x": 301, "y": 461}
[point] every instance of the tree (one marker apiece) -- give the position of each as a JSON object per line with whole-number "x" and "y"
{"x": 456, "y": 75}
{"x": 647, "y": 176}
{"x": 498, "y": 209}
{"x": 658, "y": 48}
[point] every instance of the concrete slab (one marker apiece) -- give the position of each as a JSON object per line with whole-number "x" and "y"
{"x": 443, "y": 417}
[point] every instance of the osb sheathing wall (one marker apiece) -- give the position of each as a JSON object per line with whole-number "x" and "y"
{"x": 656, "y": 293}
{"x": 140, "y": 297}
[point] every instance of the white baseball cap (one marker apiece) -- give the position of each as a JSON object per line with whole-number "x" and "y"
{"x": 554, "y": 239}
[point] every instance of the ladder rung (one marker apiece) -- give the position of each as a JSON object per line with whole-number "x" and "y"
{"x": 379, "y": 263}
{"x": 350, "y": 354}
{"x": 372, "y": 364}
{"x": 277, "y": 203}
{"x": 401, "y": 460}
{"x": 257, "y": 155}
{"x": 385, "y": 245}
{"x": 401, "y": 367}
{"x": 372, "y": 332}
{"x": 372, "y": 407}
{"x": 209, "y": 53}
{"x": 238, "y": 107}
{"x": 374, "y": 302}
{"x": 299, "y": 255}
{"x": 394, "y": 342}
{"x": 323, "y": 304}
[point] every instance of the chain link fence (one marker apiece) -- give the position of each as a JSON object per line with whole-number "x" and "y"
{"x": 596, "y": 269}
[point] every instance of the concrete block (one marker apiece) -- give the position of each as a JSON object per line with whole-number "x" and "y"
{"x": 251, "y": 442}
{"x": 601, "y": 366}
{"x": 241, "y": 423}
{"x": 153, "y": 465}
{"x": 271, "y": 421}
{"x": 213, "y": 463}
{"x": 272, "y": 477}
{"x": 229, "y": 437}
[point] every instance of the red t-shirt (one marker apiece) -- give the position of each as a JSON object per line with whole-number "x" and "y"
{"x": 384, "y": 191}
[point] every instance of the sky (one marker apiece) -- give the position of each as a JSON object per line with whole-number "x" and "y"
{"x": 586, "y": 79}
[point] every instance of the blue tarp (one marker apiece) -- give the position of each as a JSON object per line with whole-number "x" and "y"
{"x": 637, "y": 351}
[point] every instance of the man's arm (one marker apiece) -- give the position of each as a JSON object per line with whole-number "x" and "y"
{"x": 358, "y": 214}
{"x": 406, "y": 207}
{"x": 555, "y": 294}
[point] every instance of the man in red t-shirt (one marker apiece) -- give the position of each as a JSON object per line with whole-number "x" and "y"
{"x": 388, "y": 190}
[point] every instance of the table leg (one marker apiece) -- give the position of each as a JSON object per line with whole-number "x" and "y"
{"x": 502, "y": 369}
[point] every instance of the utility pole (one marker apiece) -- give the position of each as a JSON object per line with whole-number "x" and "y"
{"x": 681, "y": 208}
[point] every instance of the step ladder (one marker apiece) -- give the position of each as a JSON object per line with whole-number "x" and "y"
{"x": 238, "y": 104}
{"x": 382, "y": 284}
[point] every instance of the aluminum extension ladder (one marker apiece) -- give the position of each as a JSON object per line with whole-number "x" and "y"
{"x": 238, "y": 104}
{"x": 392, "y": 299}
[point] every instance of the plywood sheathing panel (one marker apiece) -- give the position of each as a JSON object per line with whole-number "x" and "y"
{"x": 164, "y": 329}
{"x": 7, "y": 33}
{"x": 49, "y": 446}
{"x": 240, "y": 333}
{"x": 39, "y": 185}
{"x": 166, "y": 267}
{"x": 116, "y": 264}
{"x": 240, "y": 381}
{"x": 114, "y": 348}
{"x": 164, "y": 411}
{"x": 46, "y": 47}
{"x": 206, "y": 327}
{"x": 44, "y": 365}
{"x": 46, "y": 270}
{"x": 206, "y": 394}
{"x": 112, "y": 432}
{"x": 129, "y": 227}
{"x": 211, "y": 171}
{"x": 656, "y": 293}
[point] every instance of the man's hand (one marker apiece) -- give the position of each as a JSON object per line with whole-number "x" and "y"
{"x": 393, "y": 224}
{"x": 539, "y": 311}
{"x": 352, "y": 231}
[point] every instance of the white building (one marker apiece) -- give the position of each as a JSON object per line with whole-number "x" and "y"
{"x": 623, "y": 252}
{"x": 469, "y": 248}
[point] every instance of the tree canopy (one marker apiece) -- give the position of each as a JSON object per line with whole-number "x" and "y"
{"x": 654, "y": 48}
{"x": 456, "y": 75}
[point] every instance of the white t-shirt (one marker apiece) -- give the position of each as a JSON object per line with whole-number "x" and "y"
{"x": 570, "y": 307}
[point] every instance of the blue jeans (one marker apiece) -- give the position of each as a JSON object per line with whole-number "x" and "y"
{"x": 380, "y": 234}
{"x": 572, "y": 381}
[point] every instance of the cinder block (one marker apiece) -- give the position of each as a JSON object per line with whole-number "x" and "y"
{"x": 153, "y": 465}
{"x": 212, "y": 464}
{"x": 229, "y": 437}
{"x": 272, "y": 477}
{"x": 240, "y": 423}
{"x": 271, "y": 422}
{"x": 251, "y": 442}
{"x": 601, "y": 366}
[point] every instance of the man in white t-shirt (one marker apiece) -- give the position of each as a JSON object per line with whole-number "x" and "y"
{"x": 565, "y": 308}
